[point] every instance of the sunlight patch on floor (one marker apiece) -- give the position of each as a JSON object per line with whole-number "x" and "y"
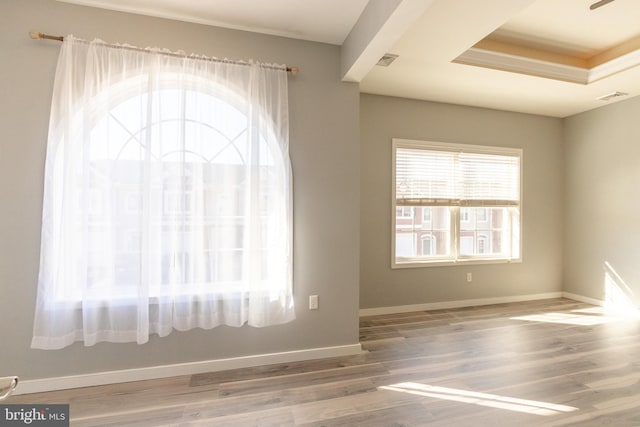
{"x": 570, "y": 318}
{"x": 481, "y": 399}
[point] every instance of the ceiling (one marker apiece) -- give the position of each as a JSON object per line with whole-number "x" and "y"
{"x": 547, "y": 57}
{"x": 327, "y": 21}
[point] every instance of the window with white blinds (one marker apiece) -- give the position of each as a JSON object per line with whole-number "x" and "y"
{"x": 464, "y": 197}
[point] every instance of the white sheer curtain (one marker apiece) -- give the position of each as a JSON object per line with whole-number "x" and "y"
{"x": 168, "y": 196}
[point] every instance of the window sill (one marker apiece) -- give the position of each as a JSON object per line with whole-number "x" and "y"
{"x": 452, "y": 263}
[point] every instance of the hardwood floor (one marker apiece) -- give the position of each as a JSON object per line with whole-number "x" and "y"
{"x": 541, "y": 363}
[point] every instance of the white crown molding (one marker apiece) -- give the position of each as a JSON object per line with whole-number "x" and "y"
{"x": 523, "y": 65}
{"x": 616, "y": 65}
{"x": 547, "y": 69}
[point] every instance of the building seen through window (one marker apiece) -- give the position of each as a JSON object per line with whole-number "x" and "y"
{"x": 455, "y": 203}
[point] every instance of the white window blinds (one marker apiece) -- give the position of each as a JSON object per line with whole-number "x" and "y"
{"x": 432, "y": 176}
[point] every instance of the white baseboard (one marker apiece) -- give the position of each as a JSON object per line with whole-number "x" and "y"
{"x": 155, "y": 372}
{"x": 164, "y": 371}
{"x": 457, "y": 304}
{"x": 581, "y": 298}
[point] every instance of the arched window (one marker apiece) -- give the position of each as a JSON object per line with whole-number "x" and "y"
{"x": 167, "y": 197}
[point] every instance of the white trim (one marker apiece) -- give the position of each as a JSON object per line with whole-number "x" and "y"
{"x": 448, "y": 262}
{"x": 393, "y": 202}
{"x": 455, "y": 147}
{"x": 164, "y": 371}
{"x": 475, "y": 302}
{"x": 581, "y": 298}
{"x": 615, "y": 65}
{"x": 456, "y": 304}
{"x": 524, "y": 65}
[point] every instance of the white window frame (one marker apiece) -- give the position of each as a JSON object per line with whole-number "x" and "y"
{"x": 454, "y": 258}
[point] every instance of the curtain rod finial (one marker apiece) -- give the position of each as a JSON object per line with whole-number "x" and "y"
{"x": 294, "y": 70}
{"x": 37, "y": 35}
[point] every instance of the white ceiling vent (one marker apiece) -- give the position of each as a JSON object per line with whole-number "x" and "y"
{"x": 611, "y": 96}
{"x": 387, "y": 59}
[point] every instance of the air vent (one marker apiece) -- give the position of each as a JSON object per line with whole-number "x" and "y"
{"x": 610, "y": 96}
{"x": 387, "y": 59}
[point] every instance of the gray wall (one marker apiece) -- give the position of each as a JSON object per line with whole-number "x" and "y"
{"x": 602, "y": 213}
{"x": 325, "y": 155}
{"x": 383, "y": 118}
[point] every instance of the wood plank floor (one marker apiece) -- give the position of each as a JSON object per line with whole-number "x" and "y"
{"x": 542, "y": 363}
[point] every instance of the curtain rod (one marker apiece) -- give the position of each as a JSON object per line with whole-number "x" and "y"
{"x": 36, "y": 35}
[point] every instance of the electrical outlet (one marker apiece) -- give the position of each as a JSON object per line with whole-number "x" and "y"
{"x": 469, "y": 277}
{"x": 313, "y": 302}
